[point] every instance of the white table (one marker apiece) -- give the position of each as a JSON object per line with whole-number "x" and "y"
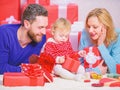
{"x": 59, "y": 84}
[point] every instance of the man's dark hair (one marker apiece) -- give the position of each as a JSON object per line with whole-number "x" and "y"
{"x": 31, "y": 11}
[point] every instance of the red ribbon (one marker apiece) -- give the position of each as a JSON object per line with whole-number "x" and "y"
{"x": 36, "y": 70}
{"x": 32, "y": 70}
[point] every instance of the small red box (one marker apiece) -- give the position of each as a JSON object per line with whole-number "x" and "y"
{"x": 118, "y": 68}
{"x": 20, "y": 79}
{"x": 71, "y": 64}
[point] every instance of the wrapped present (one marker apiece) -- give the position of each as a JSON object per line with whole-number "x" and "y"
{"x": 69, "y": 11}
{"x": 20, "y": 79}
{"x": 118, "y": 68}
{"x": 75, "y": 39}
{"x": 61, "y": 2}
{"x": 93, "y": 57}
{"x": 46, "y": 61}
{"x": 35, "y": 70}
{"x": 8, "y": 9}
{"x": 42, "y": 2}
{"x": 75, "y": 34}
{"x": 31, "y": 75}
{"x": 71, "y": 64}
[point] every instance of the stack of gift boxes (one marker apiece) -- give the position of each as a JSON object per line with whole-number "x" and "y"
{"x": 11, "y": 13}
{"x": 57, "y": 10}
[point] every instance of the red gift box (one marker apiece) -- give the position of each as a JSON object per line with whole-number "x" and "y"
{"x": 69, "y": 11}
{"x": 32, "y": 75}
{"x": 71, "y": 64}
{"x": 8, "y": 8}
{"x": 36, "y": 70}
{"x": 42, "y": 2}
{"x": 118, "y": 68}
{"x": 20, "y": 79}
{"x": 93, "y": 57}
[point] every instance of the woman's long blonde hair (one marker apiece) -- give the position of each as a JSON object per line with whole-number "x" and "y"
{"x": 105, "y": 18}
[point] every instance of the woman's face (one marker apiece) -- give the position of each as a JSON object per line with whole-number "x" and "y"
{"x": 94, "y": 28}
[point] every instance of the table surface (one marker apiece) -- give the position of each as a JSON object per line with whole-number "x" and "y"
{"x": 59, "y": 84}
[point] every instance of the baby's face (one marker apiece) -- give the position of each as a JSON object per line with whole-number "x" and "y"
{"x": 61, "y": 35}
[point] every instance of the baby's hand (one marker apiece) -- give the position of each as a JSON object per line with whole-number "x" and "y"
{"x": 82, "y": 53}
{"x": 61, "y": 59}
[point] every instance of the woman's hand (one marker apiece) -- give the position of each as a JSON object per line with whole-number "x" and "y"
{"x": 102, "y": 68}
{"x": 102, "y": 37}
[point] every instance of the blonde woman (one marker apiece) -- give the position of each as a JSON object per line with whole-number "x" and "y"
{"x": 100, "y": 32}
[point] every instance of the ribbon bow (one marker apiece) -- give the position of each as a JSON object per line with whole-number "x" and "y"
{"x": 32, "y": 70}
{"x": 36, "y": 70}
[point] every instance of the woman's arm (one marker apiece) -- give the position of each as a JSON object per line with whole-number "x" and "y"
{"x": 111, "y": 55}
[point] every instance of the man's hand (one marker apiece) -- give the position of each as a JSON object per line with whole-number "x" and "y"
{"x": 33, "y": 58}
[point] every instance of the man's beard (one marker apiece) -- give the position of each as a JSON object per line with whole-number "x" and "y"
{"x": 33, "y": 37}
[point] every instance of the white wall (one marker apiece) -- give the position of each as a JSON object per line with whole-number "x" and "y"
{"x": 113, "y": 6}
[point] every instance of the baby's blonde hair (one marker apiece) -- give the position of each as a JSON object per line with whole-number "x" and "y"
{"x": 62, "y": 24}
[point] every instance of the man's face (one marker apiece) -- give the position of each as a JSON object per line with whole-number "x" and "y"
{"x": 38, "y": 28}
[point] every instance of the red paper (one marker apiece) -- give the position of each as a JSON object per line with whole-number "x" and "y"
{"x": 20, "y": 79}
{"x": 71, "y": 12}
{"x": 118, "y": 68}
{"x": 36, "y": 70}
{"x": 9, "y": 8}
{"x": 96, "y": 53}
{"x": 110, "y": 82}
{"x": 42, "y": 2}
{"x": 46, "y": 61}
{"x": 71, "y": 64}
{"x": 53, "y": 15}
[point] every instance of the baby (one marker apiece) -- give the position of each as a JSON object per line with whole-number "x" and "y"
{"x": 59, "y": 46}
